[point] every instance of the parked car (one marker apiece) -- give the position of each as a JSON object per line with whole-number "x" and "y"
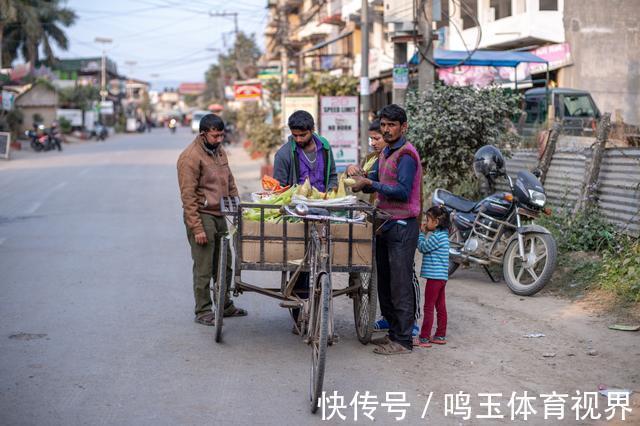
{"x": 574, "y": 108}
{"x": 196, "y": 116}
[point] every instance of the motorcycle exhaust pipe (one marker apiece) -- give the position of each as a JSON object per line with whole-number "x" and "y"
{"x": 467, "y": 258}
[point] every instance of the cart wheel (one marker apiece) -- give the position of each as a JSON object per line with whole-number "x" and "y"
{"x": 221, "y": 287}
{"x": 319, "y": 336}
{"x": 365, "y": 304}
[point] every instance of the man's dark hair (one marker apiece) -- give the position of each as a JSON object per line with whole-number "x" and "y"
{"x": 211, "y": 122}
{"x": 301, "y": 120}
{"x": 393, "y": 112}
{"x": 375, "y": 126}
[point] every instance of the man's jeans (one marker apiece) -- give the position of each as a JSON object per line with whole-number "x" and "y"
{"x": 205, "y": 263}
{"x": 395, "y": 250}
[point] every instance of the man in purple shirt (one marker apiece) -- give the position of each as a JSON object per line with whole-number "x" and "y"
{"x": 306, "y": 154}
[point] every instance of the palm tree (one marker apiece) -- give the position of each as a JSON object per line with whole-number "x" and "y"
{"x": 8, "y": 15}
{"x": 31, "y": 24}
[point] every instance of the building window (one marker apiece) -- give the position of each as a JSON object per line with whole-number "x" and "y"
{"x": 469, "y": 13}
{"x": 548, "y": 4}
{"x": 501, "y": 8}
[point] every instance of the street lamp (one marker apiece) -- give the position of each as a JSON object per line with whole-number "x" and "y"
{"x": 103, "y": 87}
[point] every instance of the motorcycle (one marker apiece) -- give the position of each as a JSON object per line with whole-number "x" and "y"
{"x": 173, "y": 124}
{"x": 493, "y": 230}
{"x": 40, "y": 140}
{"x": 99, "y": 132}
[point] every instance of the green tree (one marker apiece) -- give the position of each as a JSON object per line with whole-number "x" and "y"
{"x": 450, "y": 123}
{"x": 238, "y": 63}
{"x": 264, "y": 137}
{"x": 28, "y": 25}
{"x": 80, "y": 97}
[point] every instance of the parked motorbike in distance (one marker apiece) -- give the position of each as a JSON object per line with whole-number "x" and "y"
{"x": 492, "y": 230}
{"x": 173, "y": 124}
{"x": 99, "y": 132}
{"x": 40, "y": 138}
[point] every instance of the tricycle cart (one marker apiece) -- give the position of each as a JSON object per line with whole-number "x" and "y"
{"x": 333, "y": 239}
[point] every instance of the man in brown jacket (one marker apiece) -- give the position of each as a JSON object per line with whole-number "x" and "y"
{"x": 204, "y": 177}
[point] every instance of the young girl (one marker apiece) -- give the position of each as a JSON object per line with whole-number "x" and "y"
{"x": 435, "y": 268}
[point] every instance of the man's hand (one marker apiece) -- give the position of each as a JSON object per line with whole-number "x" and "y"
{"x": 201, "y": 238}
{"x": 361, "y": 182}
{"x": 355, "y": 170}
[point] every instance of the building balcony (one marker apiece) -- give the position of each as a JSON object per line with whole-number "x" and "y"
{"x": 525, "y": 29}
{"x": 314, "y": 30}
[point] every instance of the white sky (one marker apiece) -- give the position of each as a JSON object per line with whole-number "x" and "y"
{"x": 169, "y": 38}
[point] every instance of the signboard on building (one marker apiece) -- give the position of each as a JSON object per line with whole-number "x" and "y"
{"x": 247, "y": 91}
{"x": 8, "y": 99}
{"x": 74, "y": 116}
{"x": 339, "y": 124}
{"x": 558, "y": 56}
{"x": 106, "y": 107}
{"x": 5, "y": 144}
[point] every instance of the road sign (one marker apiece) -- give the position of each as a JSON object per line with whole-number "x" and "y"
{"x": 339, "y": 124}
{"x": 246, "y": 91}
{"x": 106, "y": 107}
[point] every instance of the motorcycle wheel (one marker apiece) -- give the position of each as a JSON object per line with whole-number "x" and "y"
{"x": 454, "y": 239}
{"x": 527, "y": 277}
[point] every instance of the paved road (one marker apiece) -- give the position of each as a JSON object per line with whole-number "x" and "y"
{"x": 96, "y": 321}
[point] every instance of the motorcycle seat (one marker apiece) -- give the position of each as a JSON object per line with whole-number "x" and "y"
{"x": 461, "y": 204}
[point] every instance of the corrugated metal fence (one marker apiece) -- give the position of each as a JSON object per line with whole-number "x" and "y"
{"x": 619, "y": 182}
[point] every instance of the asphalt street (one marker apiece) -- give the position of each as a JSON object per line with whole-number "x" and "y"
{"x": 96, "y": 314}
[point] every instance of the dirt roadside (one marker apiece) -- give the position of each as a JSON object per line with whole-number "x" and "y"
{"x": 487, "y": 350}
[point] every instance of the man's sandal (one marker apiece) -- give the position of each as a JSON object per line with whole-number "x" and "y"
{"x": 237, "y": 312}
{"x": 438, "y": 340}
{"x": 206, "y": 319}
{"x": 381, "y": 340}
{"x": 393, "y": 348}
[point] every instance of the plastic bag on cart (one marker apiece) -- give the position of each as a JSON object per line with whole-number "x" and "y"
{"x": 349, "y": 200}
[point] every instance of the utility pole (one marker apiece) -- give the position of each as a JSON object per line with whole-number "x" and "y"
{"x": 103, "y": 83}
{"x": 130, "y": 65}
{"x": 364, "y": 81}
{"x": 223, "y": 78}
{"x": 226, "y": 14}
{"x": 400, "y": 61}
{"x": 284, "y": 58}
{"x": 426, "y": 71}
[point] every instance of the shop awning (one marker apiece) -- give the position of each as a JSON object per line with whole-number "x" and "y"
{"x": 490, "y": 58}
{"x": 325, "y": 43}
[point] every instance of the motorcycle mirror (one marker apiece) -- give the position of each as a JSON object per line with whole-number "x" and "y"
{"x": 536, "y": 172}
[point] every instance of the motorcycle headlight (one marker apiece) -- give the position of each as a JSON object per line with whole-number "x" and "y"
{"x": 537, "y": 198}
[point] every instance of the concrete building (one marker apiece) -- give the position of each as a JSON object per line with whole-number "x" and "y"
{"x": 592, "y": 45}
{"x": 605, "y": 43}
{"x": 36, "y": 101}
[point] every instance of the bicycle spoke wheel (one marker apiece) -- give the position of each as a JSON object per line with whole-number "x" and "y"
{"x": 364, "y": 305}
{"x": 221, "y": 288}
{"x": 318, "y": 338}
